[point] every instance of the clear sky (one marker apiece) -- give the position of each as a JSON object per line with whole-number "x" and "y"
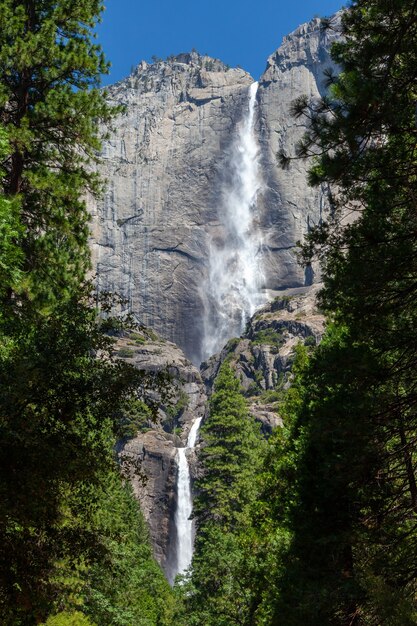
{"x": 239, "y": 32}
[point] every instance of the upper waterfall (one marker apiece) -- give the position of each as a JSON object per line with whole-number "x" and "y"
{"x": 233, "y": 289}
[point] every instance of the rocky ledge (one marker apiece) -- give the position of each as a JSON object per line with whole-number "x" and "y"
{"x": 263, "y": 356}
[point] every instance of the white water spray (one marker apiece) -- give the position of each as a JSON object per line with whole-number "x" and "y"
{"x": 184, "y": 525}
{"x": 233, "y": 290}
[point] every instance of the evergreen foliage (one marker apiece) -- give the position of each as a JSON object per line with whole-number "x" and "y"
{"x": 50, "y": 105}
{"x": 11, "y": 255}
{"x": 127, "y": 587}
{"x": 222, "y": 589}
{"x": 351, "y": 558}
{"x": 59, "y": 408}
{"x": 73, "y": 547}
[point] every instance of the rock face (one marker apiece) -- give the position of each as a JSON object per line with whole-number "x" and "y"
{"x": 289, "y": 207}
{"x": 262, "y": 358}
{"x": 150, "y": 240}
{"x": 163, "y": 163}
{"x": 150, "y": 458}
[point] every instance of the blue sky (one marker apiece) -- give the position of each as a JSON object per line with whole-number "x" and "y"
{"x": 239, "y": 32}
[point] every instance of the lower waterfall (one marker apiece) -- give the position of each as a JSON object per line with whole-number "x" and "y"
{"x": 183, "y": 523}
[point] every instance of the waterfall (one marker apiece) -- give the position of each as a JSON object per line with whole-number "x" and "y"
{"x": 184, "y": 525}
{"x": 232, "y": 292}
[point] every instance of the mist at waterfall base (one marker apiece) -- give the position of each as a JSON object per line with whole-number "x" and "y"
{"x": 232, "y": 292}
{"x": 183, "y": 522}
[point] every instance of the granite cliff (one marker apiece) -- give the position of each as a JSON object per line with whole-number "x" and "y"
{"x": 164, "y": 162}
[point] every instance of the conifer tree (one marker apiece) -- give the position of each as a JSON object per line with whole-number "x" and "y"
{"x": 222, "y": 589}
{"x": 50, "y": 105}
{"x": 231, "y": 447}
{"x": 354, "y": 521}
{"x": 60, "y": 389}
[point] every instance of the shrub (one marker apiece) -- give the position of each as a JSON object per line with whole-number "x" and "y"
{"x": 69, "y": 619}
{"x": 125, "y": 353}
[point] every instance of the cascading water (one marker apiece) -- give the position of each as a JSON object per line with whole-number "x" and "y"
{"x": 184, "y": 525}
{"x": 233, "y": 290}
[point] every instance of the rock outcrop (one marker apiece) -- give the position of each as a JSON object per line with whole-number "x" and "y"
{"x": 263, "y": 356}
{"x": 163, "y": 163}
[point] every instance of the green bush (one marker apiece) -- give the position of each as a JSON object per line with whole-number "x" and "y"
{"x": 137, "y": 338}
{"x": 271, "y": 395}
{"x": 310, "y": 341}
{"x": 269, "y": 336}
{"x": 174, "y": 411}
{"x": 69, "y": 619}
{"x": 232, "y": 344}
{"x": 125, "y": 353}
{"x": 134, "y": 417}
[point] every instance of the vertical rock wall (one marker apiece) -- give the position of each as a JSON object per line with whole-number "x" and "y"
{"x": 163, "y": 163}
{"x": 150, "y": 241}
{"x": 288, "y": 206}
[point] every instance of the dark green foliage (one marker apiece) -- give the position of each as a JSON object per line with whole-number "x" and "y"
{"x": 56, "y": 429}
{"x": 268, "y": 336}
{"x": 232, "y": 344}
{"x": 336, "y": 455}
{"x": 11, "y": 255}
{"x": 125, "y": 353}
{"x": 310, "y": 341}
{"x": 352, "y": 522}
{"x": 223, "y": 589}
{"x": 120, "y": 584}
{"x": 71, "y": 538}
{"x": 134, "y": 416}
{"x": 271, "y": 395}
{"x": 50, "y": 105}
{"x": 232, "y": 442}
{"x": 126, "y": 587}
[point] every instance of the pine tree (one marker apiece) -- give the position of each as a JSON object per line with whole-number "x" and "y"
{"x": 11, "y": 255}
{"x": 354, "y": 521}
{"x": 50, "y": 105}
{"x": 229, "y": 455}
{"x": 222, "y": 589}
